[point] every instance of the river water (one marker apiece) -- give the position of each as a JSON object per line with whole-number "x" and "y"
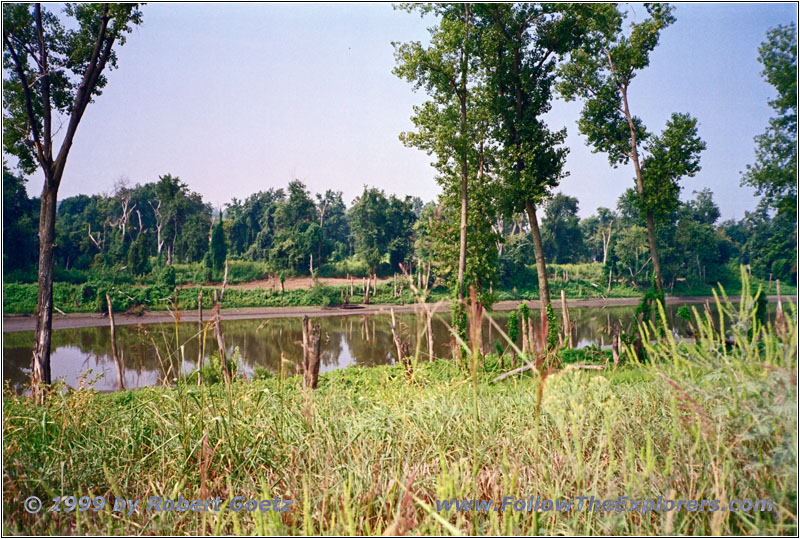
{"x": 151, "y": 356}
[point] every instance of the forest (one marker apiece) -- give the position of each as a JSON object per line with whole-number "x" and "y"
{"x": 133, "y": 236}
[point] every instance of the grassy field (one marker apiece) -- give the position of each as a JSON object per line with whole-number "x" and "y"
{"x": 371, "y": 449}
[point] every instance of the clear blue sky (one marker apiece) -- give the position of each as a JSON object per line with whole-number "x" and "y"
{"x": 236, "y": 98}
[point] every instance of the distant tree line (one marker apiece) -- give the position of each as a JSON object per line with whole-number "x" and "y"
{"x": 138, "y": 229}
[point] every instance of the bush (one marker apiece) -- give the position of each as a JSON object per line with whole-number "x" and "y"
{"x": 20, "y": 276}
{"x": 244, "y": 271}
{"x": 350, "y": 266}
{"x": 74, "y": 276}
{"x": 166, "y": 277}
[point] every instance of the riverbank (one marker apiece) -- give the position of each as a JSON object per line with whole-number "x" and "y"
{"x": 81, "y": 320}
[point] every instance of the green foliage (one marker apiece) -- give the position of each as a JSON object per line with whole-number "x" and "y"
{"x": 552, "y": 328}
{"x": 588, "y": 355}
{"x": 166, "y": 277}
{"x": 562, "y": 240}
{"x": 139, "y": 256}
{"x": 774, "y": 174}
{"x": 20, "y": 225}
{"x": 673, "y": 155}
{"x": 512, "y": 326}
{"x": 212, "y": 372}
{"x": 381, "y": 228}
{"x": 219, "y": 250}
{"x": 69, "y": 44}
{"x": 355, "y": 266}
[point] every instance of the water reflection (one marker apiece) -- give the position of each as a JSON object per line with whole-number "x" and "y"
{"x": 151, "y": 355}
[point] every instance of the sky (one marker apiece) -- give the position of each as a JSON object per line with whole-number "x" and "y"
{"x": 238, "y": 98}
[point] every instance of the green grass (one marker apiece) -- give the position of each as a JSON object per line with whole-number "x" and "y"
{"x": 371, "y": 449}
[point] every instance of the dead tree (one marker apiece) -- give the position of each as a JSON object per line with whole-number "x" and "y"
{"x": 114, "y": 355}
{"x": 311, "y": 342}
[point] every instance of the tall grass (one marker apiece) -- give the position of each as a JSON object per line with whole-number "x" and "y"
{"x": 371, "y": 449}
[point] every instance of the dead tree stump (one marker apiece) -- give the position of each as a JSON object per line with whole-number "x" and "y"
{"x": 311, "y": 343}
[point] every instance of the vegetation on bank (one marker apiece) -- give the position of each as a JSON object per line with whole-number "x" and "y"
{"x": 370, "y": 450}
{"x": 85, "y": 292}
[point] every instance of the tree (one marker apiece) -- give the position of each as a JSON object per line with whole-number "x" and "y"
{"x": 333, "y": 223}
{"x": 520, "y": 47}
{"x": 598, "y": 231}
{"x": 600, "y": 71}
{"x": 382, "y": 228}
{"x": 139, "y": 256}
{"x": 445, "y": 70}
{"x": 563, "y": 241}
{"x": 219, "y": 249}
{"x": 53, "y": 71}
{"x": 774, "y": 174}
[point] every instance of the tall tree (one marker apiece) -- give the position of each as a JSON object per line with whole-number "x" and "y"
{"x": 52, "y": 71}
{"x": 520, "y": 46}
{"x": 600, "y": 71}
{"x": 219, "y": 249}
{"x": 445, "y": 70}
{"x": 774, "y": 174}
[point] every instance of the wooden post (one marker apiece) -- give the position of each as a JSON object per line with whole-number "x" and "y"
{"x": 311, "y": 343}
{"x": 366, "y": 292}
{"x": 565, "y": 319}
{"x": 114, "y": 356}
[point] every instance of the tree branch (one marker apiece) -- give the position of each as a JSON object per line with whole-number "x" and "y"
{"x": 84, "y": 94}
{"x": 45, "y": 78}
{"x": 28, "y": 98}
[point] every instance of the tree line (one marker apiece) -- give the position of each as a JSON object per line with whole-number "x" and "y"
{"x": 138, "y": 229}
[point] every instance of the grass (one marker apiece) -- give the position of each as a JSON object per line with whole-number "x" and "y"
{"x": 372, "y": 448}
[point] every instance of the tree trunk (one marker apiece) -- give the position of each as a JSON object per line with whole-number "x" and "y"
{"x": 541, "y": 267}
{"x": 651, "y": 226}
{"x": 44, "y": 302}
{"x": 462, "y": 245}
